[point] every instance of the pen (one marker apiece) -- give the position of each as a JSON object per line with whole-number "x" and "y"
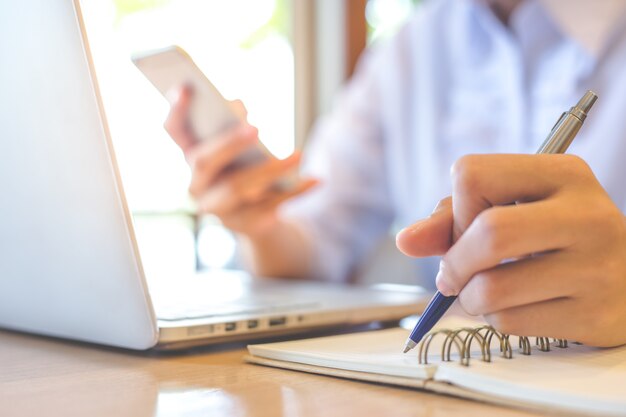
{"x": 558, "y": 140}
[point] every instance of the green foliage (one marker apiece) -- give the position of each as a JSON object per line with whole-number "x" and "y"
{"x": 279, "y": 23}
{"x": 371, "y": 29}
{"x": 126, "y": 7}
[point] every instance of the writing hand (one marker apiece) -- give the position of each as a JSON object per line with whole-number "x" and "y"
{"x": 552, "y": 265}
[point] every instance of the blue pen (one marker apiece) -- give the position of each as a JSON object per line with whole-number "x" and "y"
{"x": 559, "y": 139}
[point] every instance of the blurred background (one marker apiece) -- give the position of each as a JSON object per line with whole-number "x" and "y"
{"x": 284, "y": 58}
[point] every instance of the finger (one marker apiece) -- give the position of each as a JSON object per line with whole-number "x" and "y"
{"x": 483, "y": 181}
{"x": 252, "y": 183}
{"x": 544, "y": 319}
{"x": 177, "y": 122}
{"x": 254, "y": 219}
{"x": 240, "y": 109}
{"x": 430, "y": 236}
{"x": 502, "y": 233}
{"x": 235, "y": 191}
{"x": 279, "y": 197}
{"x": 527, "y": 281}
{"x": 210, "y": 158}
{"x": 562, "y": 318}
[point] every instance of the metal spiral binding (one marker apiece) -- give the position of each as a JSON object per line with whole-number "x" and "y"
{"x": 463, "y": 338}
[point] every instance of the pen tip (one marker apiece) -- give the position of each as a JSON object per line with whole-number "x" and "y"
{"x": 410, "y": 344}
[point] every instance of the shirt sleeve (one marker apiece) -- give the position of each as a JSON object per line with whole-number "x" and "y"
{"x": 346, "y": 215}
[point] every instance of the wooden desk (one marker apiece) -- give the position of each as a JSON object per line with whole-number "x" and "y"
{"x": 46, "y": 377}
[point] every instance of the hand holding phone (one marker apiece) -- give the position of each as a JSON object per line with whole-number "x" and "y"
{"x": 233, "y": 176}
{"x": 170, "y": 69}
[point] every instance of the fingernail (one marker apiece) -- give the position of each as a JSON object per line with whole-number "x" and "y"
{"x": 438, "y": 208}
{"x": 442, "y": 284}
{"x": 415, "y": 227}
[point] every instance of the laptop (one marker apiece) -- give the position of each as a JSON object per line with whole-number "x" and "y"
{"x": 69, "y": 262}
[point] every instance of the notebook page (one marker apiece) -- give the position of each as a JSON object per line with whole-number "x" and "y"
{"x": 581, "y": 378}
{"x": 378, "y": 352}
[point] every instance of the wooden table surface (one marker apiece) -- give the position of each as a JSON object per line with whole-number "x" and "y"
{"x": 48, "y": 377}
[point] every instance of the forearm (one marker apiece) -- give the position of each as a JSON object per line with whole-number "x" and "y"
{"x": 284, "y": 252}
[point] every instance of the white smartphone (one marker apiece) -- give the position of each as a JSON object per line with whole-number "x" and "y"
{"x": 210, "y": 114}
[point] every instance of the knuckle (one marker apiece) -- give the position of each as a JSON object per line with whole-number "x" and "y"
{"x": 201, "y": 165}
{"x": 487, "y": 291}
{"x": 601, "y": 223}
{"x": 465, "y": 173}
{"x": 454, "y": 279}
{"x": 193, "y": 191}
{"x": 504, "y": 322}
{"x": 168, "y": 124}
{"x": 493, "y": 227}
{"x": 196, "y": 189}
{"x": 469, "y": 302}
{"x": 490, "y": 293}
{"x": 573, "y": 165}
{"x": 574, "y": 169}
{"x": 607, "y": 218}
{"x": 480, "y": 296}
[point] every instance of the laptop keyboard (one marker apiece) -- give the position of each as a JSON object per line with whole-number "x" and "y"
{"x": 222, "y": 293}
{"x": 176, "y": 313}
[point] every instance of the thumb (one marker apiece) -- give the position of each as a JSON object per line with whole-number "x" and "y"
{"x": 430, "y": 236}
{"x": 240, "y": 109}
{"x": 177, "y": 122}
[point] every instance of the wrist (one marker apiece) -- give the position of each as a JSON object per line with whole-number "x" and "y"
{"x": 281, "y": 251}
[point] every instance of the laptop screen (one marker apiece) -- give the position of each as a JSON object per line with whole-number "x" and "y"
{"x": 68, "y": 260}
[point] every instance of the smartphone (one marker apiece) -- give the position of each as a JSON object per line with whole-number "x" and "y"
{"x": 209, "y": 114}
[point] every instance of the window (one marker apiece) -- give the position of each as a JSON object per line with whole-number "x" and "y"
{"x": 244, "y": 47}
{"x": 246, "y": 55}
{"x": 384, "y": 17}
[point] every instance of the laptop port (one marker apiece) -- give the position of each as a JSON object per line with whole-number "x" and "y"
{"x": 200, "y": 330}
{"x": 278, "y": 321}
{"x": 253, "y": 324}
{"x": 229, "y": 327}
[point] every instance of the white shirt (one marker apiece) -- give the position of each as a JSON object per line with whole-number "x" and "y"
{"x": 453, "y": 81}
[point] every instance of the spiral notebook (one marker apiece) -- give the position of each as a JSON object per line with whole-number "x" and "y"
{"x": 468, "y": 360}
